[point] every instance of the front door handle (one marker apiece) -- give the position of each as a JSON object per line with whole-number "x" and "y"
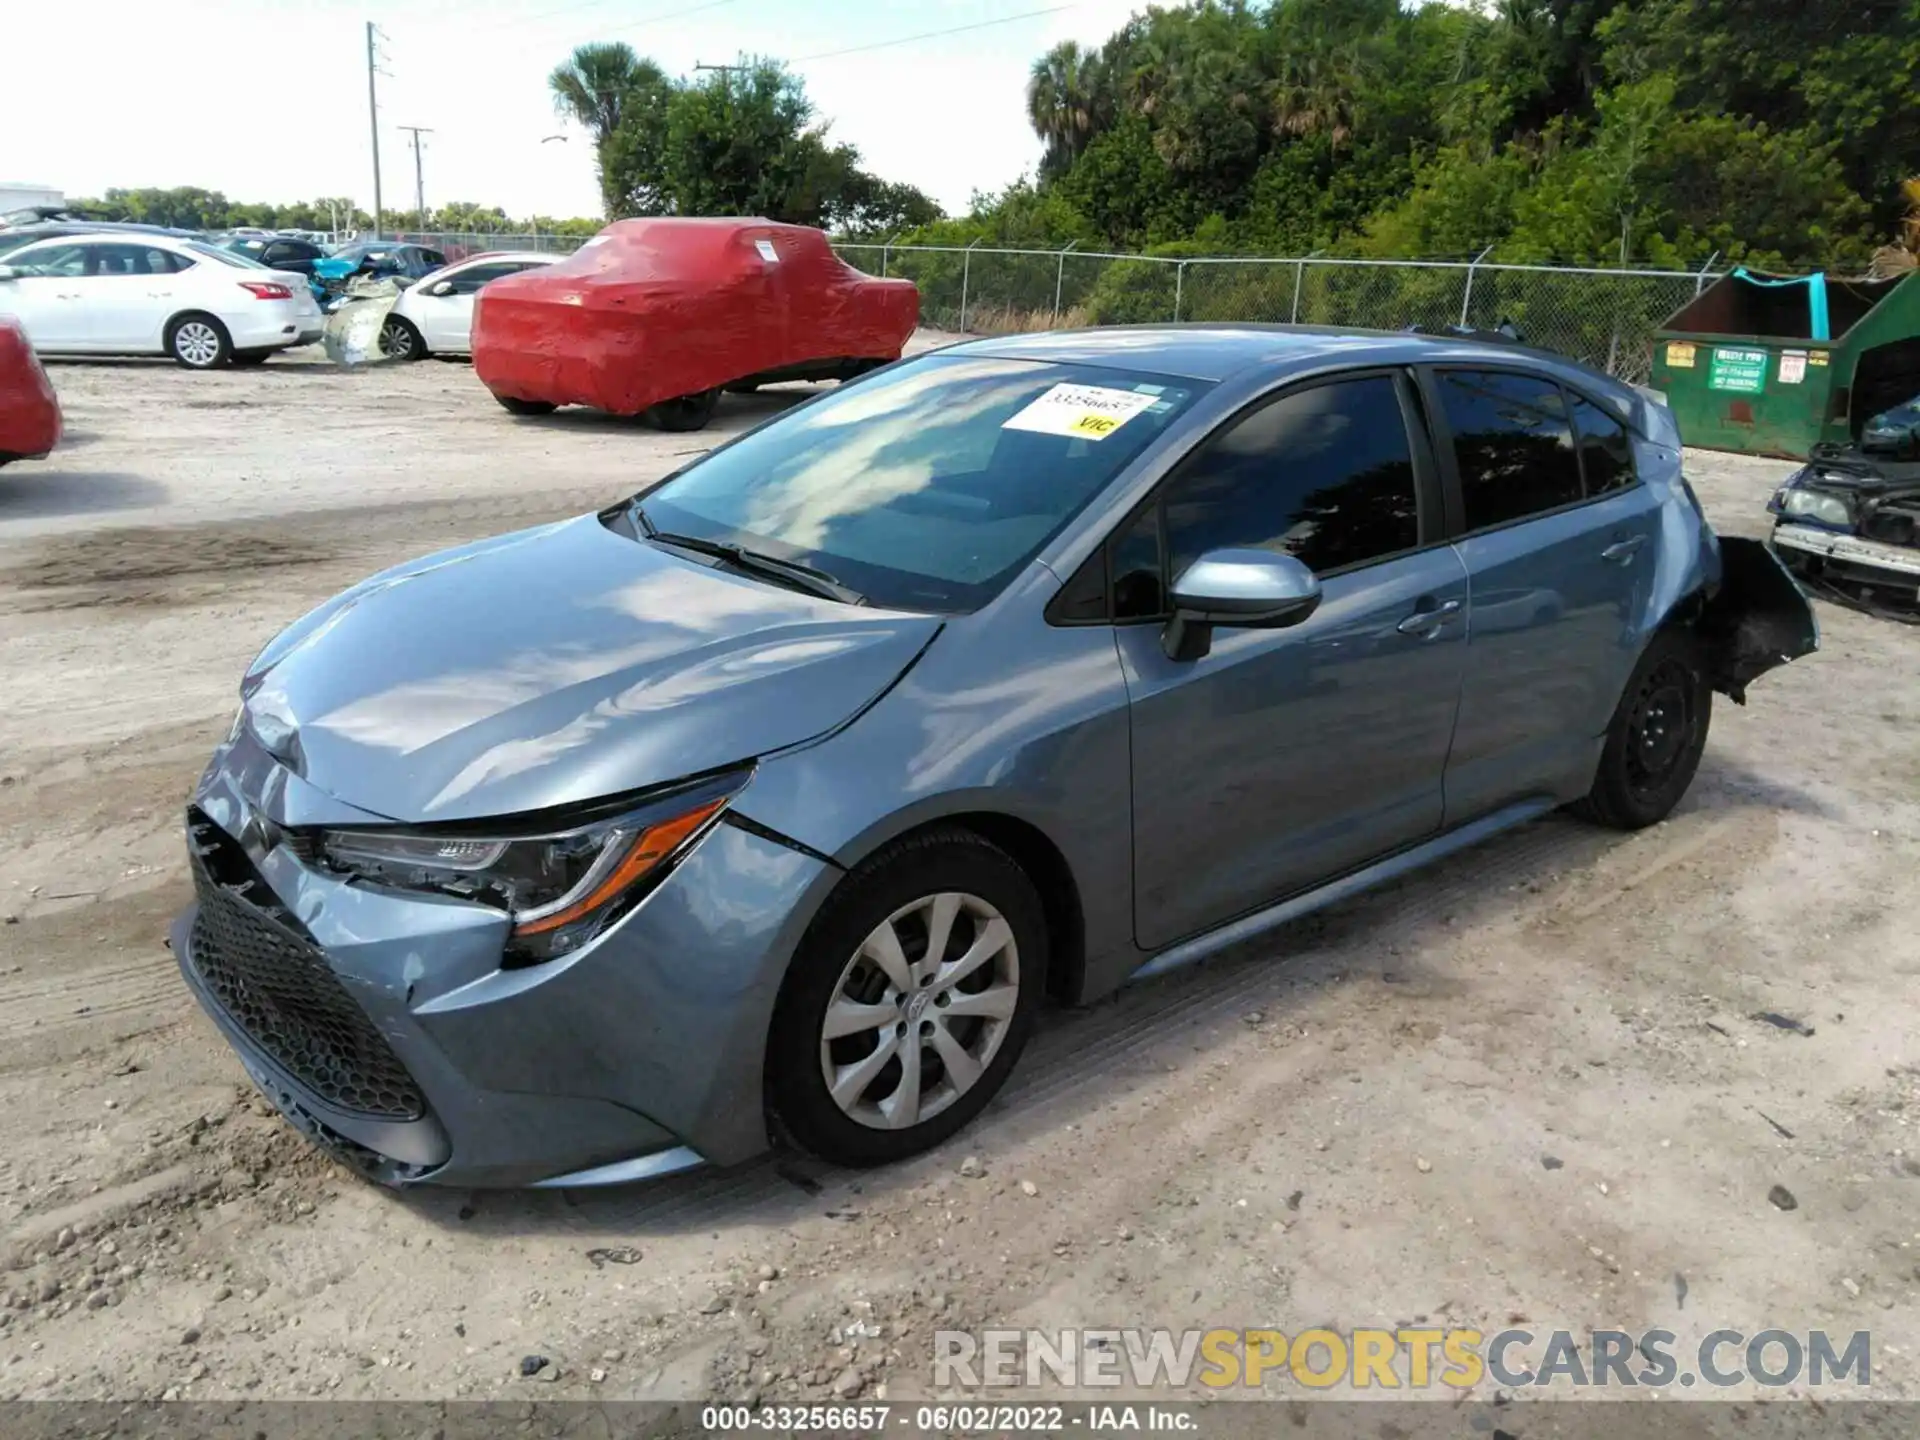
{"x": 1622, "y": 551}
{"x": 1428, "y": 619}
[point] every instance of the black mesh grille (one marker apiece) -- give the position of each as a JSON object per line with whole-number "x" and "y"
{"x": 278, "y": 987}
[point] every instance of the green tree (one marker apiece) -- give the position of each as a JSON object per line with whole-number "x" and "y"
{"x": 597, "y": 86}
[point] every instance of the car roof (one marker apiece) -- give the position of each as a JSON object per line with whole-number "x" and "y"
{"x": 1202, "y": 351}
{"x": 490, "y": 256}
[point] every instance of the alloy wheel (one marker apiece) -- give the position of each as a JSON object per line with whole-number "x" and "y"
{"x": 197, "y": 343}
{"x": 396, "y": 341}
{"x": 920, "y": 1010}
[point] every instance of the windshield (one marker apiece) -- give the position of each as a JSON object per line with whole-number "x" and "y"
{"x": 1907, "y": 414}
{"x": 225, "y": 257}
{"x": 927, "y": 487}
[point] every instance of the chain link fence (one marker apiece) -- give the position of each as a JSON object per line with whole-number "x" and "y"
{"x": 1604, "y": 318}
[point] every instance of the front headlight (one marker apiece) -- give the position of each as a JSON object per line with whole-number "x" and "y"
{"x": 1813, "y": 505}
{"x": 561, "y": 885}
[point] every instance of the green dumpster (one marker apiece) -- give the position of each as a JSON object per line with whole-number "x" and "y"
{"x": 1771, "y": 365}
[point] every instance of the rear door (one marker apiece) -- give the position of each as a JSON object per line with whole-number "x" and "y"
{"x": 130, "y": 291}
{"x": 1556, "y": 534}
{"x": 1284, "y": 757}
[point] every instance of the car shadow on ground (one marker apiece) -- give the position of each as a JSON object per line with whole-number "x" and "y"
{"x": 736, "y": 413}
{"x": 28, "y": 494}
{"x": 1078, "y": 1057}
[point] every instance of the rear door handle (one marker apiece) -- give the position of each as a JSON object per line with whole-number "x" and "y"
{"x": 1622, "y": 551}
{"x": 1428, "y": 620}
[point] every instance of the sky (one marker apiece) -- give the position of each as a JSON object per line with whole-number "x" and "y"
{"x": 266, "y": 100}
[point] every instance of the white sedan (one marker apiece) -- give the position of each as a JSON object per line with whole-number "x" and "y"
{"x": 434, "y": 315}
{"x": 115, "y": 293}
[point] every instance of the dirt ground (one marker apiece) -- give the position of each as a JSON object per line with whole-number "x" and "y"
{"x": 1528, "y": 1083}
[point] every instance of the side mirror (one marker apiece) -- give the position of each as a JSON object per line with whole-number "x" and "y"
{"x": 1257, "y": 589}
{"x": 440, "y": 287}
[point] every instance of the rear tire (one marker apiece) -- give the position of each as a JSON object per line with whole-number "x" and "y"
{"x": 199, "y": 341}
{"x": 515, "y": 405}
{"x": 1658, "y": 734}
{"x": 941, "y": 1047}
{"x": 685, "y": 412}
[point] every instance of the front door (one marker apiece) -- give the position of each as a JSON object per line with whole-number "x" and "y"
{"x": 1284, "y": 757}
{"x": 1559, "y": 547}
{"x": 45, "y": 295}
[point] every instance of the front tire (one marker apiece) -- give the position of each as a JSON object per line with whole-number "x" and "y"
{"x": 685, "y": 412}
{"x": 909, "y": 1001}
{"x": 399, "y": 340}
{"x": 199, "y": 342}
{"x": 514, "y": 405}
{"x": 1658, "y": 734}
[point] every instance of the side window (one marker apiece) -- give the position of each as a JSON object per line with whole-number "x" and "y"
{"x": 177, "y": 262}
{"x": 1512, "y": 442}
{"x": 1134, "y": 562}
{"x": 1324, "y": 474}
{"x": 1606, "y": 450}
{"x": 431, "y": 257}
{"x": 64, "y": 261}
{"x": 468, "y": 281}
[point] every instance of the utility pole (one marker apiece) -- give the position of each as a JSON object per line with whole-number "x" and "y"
{"x": 726, "y": 70}
{"x": 419, "y": 188}
{"x": 373, "y": 119}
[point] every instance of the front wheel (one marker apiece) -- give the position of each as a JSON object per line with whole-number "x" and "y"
{"x": 516, "y": 406}
{"x": 1658, "y": 734}
{"x": 685, "y": 412}
{"x": 909, "y": 1001}
{"x": 400, "y": 341}
{"x": 199, "y": 342}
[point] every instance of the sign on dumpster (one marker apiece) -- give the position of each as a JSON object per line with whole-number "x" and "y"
{"x": 1739, "y": 372}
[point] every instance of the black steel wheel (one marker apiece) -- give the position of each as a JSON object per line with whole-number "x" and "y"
{"x": 1658, "y": 733}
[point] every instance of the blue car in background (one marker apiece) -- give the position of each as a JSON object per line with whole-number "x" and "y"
{"x": 778, "y": 799}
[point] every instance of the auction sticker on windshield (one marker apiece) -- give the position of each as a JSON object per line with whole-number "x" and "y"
{"x": 1086, "y": 412}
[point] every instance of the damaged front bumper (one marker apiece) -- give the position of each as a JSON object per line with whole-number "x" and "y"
{"x": 1868, "y": 574}
{"x": 383, "y": 1026}
{"x": 1755, "y": 619}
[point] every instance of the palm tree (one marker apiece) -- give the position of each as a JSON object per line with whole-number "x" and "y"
{"x": 1064, "y": 95}
{"x": 593, "y": 87}
{"x": 1318, "y": 92}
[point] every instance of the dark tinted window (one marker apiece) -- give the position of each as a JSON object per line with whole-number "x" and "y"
{"x": 1606, "y": 451}
{"x": 468, "y": 281}
{"x": 1324, "y": 474}
{"x": 128, "y": 260}
{"x": 1513, "y": 444}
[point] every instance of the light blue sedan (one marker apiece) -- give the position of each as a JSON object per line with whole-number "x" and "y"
{"x": 778, "y": 800}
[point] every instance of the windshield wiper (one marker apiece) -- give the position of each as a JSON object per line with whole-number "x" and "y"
{"x": 768, "y": 567}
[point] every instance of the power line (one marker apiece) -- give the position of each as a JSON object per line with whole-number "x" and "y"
{"x": 933, "y": 34}
{"x": 521, "y": 21}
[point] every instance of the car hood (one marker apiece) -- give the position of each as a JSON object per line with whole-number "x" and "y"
{"x": 559, "y": 665}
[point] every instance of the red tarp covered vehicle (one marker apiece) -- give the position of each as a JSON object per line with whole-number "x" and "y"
{"x": 29, "y": 413}
{"x": 660, "y": 315}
